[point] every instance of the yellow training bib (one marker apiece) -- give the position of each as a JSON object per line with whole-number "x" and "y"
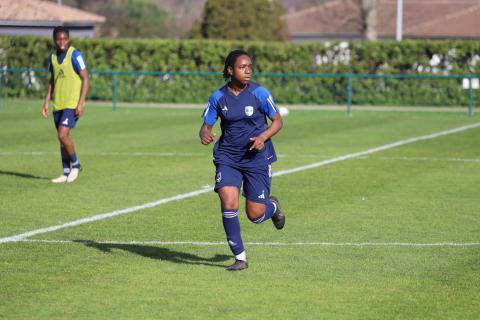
{"x": 67, "y": 83}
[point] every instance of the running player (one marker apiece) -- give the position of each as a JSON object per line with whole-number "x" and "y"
{"x": 68, "y": 86}
{"x": 244, "y": 153}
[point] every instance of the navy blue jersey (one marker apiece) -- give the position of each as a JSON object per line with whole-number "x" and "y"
{"x": 241, "y": 118}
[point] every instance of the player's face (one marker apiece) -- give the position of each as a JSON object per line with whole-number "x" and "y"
{"x": 242, "y": 69}
{"x": 61, "y": 41}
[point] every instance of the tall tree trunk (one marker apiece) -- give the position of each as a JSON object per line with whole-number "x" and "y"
{"x": 369, "y": 13}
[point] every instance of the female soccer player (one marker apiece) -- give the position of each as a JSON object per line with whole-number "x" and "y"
{"x": 69, "y": 86}
{"x": 244, "y": 153}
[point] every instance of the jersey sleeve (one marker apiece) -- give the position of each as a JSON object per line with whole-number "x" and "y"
{"x": 210, "y": 114}
{"x": 78, "y": 61}
{"x": 267, "y": 105}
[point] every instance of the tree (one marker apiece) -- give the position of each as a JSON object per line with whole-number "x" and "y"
{"x": 243, "y": 20}
{"x": 127, "y": 18}
{"x": 368, "y": 17}
{"x": 134, "y": 18}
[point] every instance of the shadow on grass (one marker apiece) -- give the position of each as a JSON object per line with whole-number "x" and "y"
{"x": 21, "y": 175}
{"x": 159, "y": 253}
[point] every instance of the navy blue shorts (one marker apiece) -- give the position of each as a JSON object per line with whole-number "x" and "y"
{"x": 65, "y": 118}
{"x": 256, "y": 183}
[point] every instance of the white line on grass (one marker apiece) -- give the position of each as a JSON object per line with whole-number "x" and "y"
{"x": 139, "y": 154}
{"x": 378, "y": 149}
{"x": 108, "y": 154}
{"x": 266, "y": 244}
{"x": 195, "y": 193}
{"x": 185, "y": 154}
{"x": 423, "y": 159}
{"x": 147, "y": 205}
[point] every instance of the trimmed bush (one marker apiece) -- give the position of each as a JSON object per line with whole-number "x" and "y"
{"x": 382, "y": 57}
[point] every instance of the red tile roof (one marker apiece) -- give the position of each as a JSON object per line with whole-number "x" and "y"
{"x": 421, "y": 19}
{"x": 45, "y": 11}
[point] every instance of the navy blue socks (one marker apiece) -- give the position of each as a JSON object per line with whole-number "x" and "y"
{"x": 74, "y": 161}
{"x": 231, "y": 224}
{"x": 66, "y": 166}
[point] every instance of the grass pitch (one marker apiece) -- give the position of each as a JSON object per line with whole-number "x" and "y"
{"x": 390, "y": 235}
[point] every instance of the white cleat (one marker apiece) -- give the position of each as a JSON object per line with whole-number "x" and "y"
{"x": 73, "y": 175}
{"x": 62, "y": 179}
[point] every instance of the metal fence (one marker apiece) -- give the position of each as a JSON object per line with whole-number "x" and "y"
{"x": 27, "y": 82}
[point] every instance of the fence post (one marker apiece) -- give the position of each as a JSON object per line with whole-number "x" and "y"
{"x": 349, "y": 95}
{"x": 470, "y": 97}
{"x": 115, "y": 91}
{"x": 1, "y": 82}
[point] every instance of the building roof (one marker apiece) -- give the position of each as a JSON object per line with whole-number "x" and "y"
{"x": 421, "y": 19}
{"x": 45, "y": 12}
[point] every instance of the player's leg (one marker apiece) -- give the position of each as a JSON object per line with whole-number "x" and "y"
{"x": 227, "y": 185}
{"x": 67, "y": 123}
{"x": 260, "y": 205}
{"x": 64, "y": 155}
{"x": 65, "y": 160}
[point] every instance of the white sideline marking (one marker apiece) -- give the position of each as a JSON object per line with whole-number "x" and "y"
{"x": 423, "y": 159}
{"x": 152, "y": 204}
{"x": 175, "y": 154}
{"x": 28, "y": 234}
{"x": 267, "y": 244}
{"x": 377, "y": 149}
{"x": 123, "y": 154}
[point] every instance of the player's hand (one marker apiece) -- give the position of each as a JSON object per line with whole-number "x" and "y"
{"x": 207, "y": 138}
{"x": 258, "y": 143}
{"x": 45, "y": 111}
{"x": 79, "y": 111}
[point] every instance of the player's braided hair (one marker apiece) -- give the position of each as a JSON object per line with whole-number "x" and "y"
{"x": 59, "y": 29}
{"x": 230, "y": 61}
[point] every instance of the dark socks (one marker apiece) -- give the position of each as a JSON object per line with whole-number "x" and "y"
{"x": 231, "y": 224}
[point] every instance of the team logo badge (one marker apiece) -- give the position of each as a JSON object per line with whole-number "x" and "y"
{"x": 249, "y": 110}
{"x": 219, "y": 177}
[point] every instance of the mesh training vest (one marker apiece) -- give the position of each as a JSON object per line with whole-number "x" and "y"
{"x": 67, "y": 83}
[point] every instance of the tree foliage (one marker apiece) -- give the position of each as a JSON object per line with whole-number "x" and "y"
{"x": 243, "y": 20}
{"x": 127, "y": 18}
{"x": 134, "y": 18}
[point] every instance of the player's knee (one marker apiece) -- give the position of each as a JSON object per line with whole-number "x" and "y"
{"x": 255, "y": 212}
{"x": 63, "y": 137}
{"x": 229, "y": 203}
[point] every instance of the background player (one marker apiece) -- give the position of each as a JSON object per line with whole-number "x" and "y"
{"x": 244, "y": 153}
{"x": 69, "y": 87}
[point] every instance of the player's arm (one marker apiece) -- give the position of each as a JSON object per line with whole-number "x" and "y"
{"x": 206, "y": 134}
{"x": 83, "y": 93}
{"x": 270, "y": 109}
{"x": 48, "y": 96}
{"x": 210, "y": 116}
{"x": 273, "y": 128}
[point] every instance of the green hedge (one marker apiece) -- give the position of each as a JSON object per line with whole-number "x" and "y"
{"x": 406, "y": 57}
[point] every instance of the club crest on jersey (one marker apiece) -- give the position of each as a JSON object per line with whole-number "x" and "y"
{"x": 249, "y": 110}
